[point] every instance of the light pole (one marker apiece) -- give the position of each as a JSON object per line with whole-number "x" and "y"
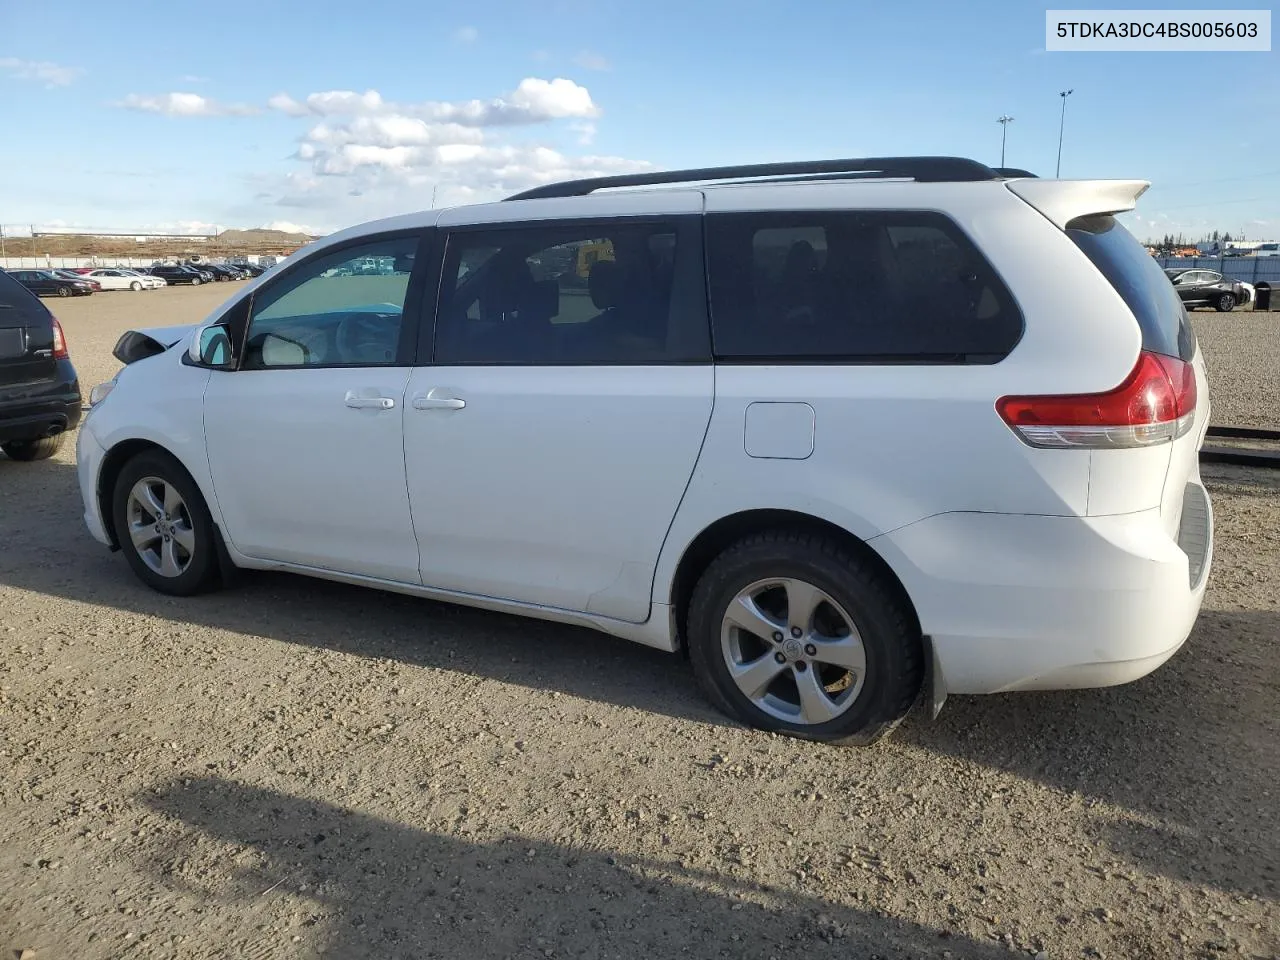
{"x": 1004, "y": 130}
{"x": 1061, "y": 124}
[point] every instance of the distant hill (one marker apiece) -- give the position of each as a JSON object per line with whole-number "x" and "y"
{"x": 259, "y": 237}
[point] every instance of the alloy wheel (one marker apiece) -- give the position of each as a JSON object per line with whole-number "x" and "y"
{"x": 160, "y": 526}
{"x": 793, "y": 651}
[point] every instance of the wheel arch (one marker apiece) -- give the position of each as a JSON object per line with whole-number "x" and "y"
{"x": 716, "y": 537}
{"x": 112, "y": 464}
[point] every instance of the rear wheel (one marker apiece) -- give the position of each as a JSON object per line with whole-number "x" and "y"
{"x": 1225, "y": 303}
{"x": 795, "y": 633}
{"x": 27, "y": 450}
{"x": 163, "y": 525}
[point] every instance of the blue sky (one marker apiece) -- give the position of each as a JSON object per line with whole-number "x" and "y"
{"x": 146, "y": 117}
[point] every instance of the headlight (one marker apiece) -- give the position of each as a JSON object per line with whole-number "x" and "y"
{"x": 101, "y": 392}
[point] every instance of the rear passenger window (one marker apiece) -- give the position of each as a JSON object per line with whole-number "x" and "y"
{"x": 896, "y": 286}
{"x": 613, "y": 293}
{"x": 1145, "y": 288}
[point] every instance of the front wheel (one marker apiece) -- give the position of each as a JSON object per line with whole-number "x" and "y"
{"x": 28, "y": 450}
{"x": 1225, "y": 303}
{"x": 163, "y": 525}
{"x": 64, "y": 291}
{"x": 195, "y": 281}
{"x": 796, "y": 633}
{"x": 136, "y": 285}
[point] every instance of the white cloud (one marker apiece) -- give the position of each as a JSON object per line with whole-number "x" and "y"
{"x": 288, "y": 226}
{"x": 589, "y": 60}
{"x": 184, "y": 105}
{"x": 286, "y": 104}
{"x": 466, "y": 35}
{"x": 361, "y": 156}
{"x": 553, "y": 98}
{"x": 533, "y": 101}
{"x": 50, "y": 74}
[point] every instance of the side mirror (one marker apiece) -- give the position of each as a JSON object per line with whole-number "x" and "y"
{"x": 211, "y": 347}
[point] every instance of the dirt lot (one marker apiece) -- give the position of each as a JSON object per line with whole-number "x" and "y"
{"x": 299, "y": 769}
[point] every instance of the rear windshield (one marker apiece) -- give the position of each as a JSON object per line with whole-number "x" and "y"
{"x": 1140, "y": 282}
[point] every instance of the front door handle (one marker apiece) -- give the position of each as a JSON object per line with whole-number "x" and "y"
{"x": 357, "y": 402}
{"x": 434, "y": 399}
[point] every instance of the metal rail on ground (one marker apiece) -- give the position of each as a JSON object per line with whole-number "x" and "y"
{"x": 1266, "y": 455}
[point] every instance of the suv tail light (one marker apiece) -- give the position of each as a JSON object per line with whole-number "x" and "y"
{"x": 1156, "y": 402}
{"x": 59, "y": 342}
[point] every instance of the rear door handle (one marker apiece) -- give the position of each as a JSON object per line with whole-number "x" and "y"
{"x": 434, "y": 399}
{"x": 358, "y": 402}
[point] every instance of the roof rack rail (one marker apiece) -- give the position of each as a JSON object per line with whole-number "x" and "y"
{"x": 922, "y": 169}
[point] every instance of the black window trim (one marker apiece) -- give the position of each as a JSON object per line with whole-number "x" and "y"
{"x": 866, "y": 359}
{"x": 238, "y": 317}
{"x": 689, "y": 228}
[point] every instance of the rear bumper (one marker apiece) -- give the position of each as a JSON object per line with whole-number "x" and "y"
{"x": 30, "y": 411}
{"x": 1051, "y": 603}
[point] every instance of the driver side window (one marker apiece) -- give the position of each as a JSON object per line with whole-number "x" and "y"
{"x": 341, "y": 309}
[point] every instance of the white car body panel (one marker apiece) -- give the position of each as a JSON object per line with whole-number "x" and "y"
{"x": 301, "y": 477}
{"x": 572, "y": 493}
{"x": 580, "y": 470}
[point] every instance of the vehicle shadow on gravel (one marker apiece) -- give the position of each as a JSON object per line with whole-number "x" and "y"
{"x": 1182, "y": 752}
{"x": 44, "y": 548}
{"x": 386, "y": 889}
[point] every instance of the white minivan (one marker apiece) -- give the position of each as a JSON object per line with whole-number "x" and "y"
{"x": 853, "y": 434}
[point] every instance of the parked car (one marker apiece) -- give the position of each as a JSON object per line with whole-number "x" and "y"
{"x": 44, "y": 283}
{"x": 39, "y": 389}
{"x": 851, "y": 443}
{"x": 223, "y": 271}
{"x": 174, "y": 274}
{"x": 1204, "y": 288}
{"x": 148, "y": 280}
{"x": 94, "y": 285}
{"x": 116, "y": 278}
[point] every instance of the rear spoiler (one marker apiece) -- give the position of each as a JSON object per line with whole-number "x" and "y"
{"x": 1061, "y": 201}
{"x": 135, "y": 345}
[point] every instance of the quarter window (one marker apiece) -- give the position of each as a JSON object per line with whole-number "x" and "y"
{"x": 612, "y": 293}
{"x": 342, "y": 309}
{"x": 900, "y": 286}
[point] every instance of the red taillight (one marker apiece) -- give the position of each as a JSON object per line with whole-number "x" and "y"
{"x": 59, "y": 342}
{"x": 1156, "y": 402}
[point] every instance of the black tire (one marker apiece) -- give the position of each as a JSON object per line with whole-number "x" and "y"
{"x": 1225, "y": 302}
{"x": 195, "y": 281}
{"x": 28, "y": 450}
{"x": 890, "y": 636}
{"x": 64, "y": 291}
{"x": 201, "y": 571}
{"x": 135, "y": 286}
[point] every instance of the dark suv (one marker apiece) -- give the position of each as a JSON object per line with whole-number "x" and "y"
{"x": 39, "y": 389}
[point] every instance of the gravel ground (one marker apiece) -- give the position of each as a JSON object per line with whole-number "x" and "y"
{"x": 301, "y": 769}
{"x": 1242, "y": 351}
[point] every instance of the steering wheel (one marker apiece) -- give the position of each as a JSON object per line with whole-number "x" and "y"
{"x": 368, "y": 337}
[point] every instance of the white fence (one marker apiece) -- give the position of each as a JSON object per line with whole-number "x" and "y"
{"x": 1253, "y": 270}
{"x": 45, "y": 262}
{"x": 66, "y": 263}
